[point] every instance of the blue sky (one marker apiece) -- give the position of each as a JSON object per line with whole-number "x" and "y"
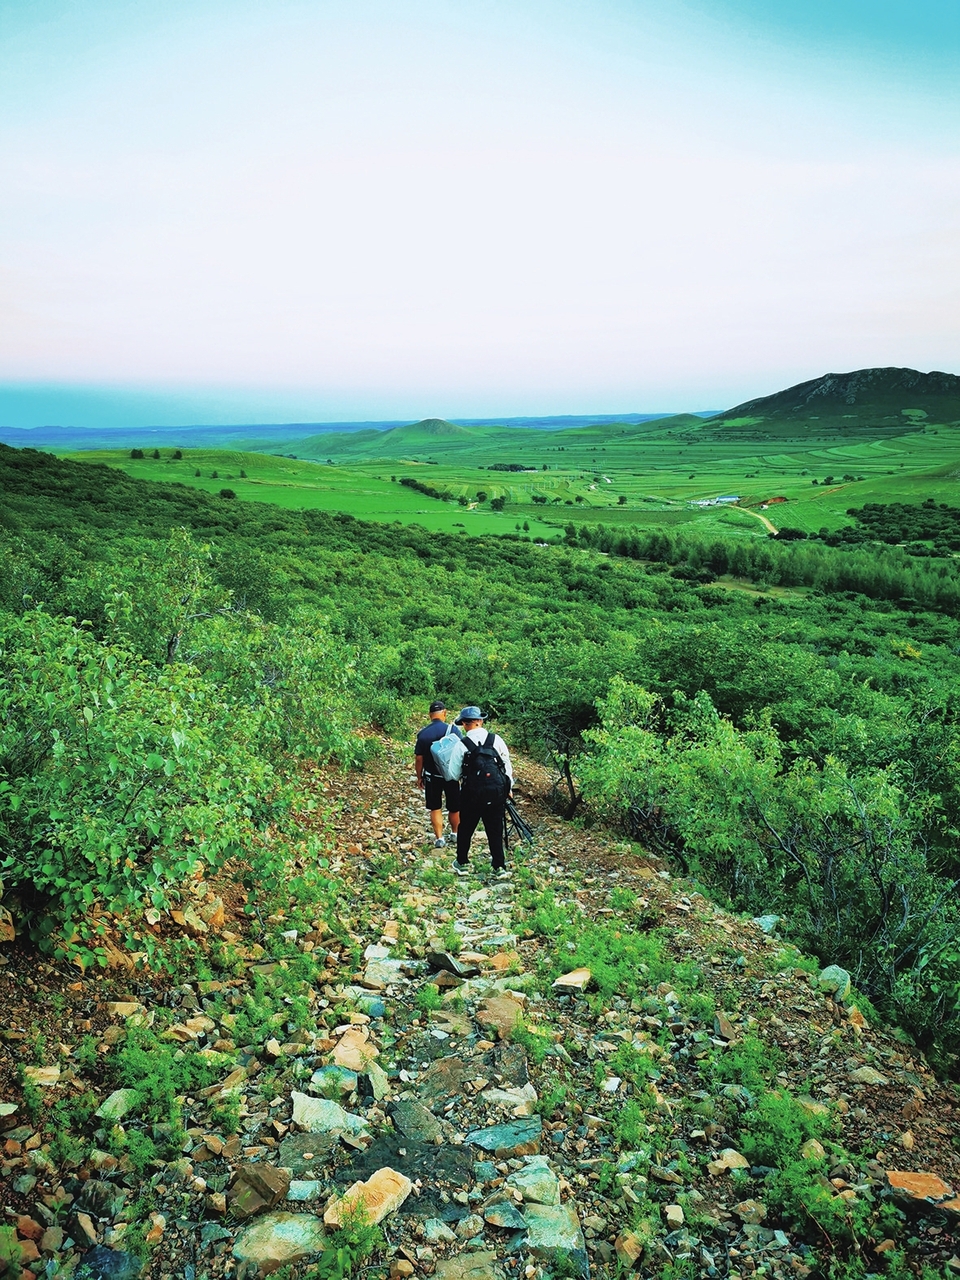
{"x": 364, "y": 208}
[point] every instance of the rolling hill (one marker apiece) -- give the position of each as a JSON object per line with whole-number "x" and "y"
{"x": 873, "y": 398}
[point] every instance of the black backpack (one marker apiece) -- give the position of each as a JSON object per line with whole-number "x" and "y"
{"x": 483, "y": 778}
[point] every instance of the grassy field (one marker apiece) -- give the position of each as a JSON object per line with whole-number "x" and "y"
{"x": 646, "y": 475}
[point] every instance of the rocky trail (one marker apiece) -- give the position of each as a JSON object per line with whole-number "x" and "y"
{"x": 499, "y": 1107}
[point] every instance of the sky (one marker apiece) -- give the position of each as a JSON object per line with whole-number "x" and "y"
{"x": 316, "y": 210}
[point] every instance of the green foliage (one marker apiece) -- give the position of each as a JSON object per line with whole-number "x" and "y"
{"x": 777, "y": 1126}
{"x": 9, "y": 1254}
{"x": 429, "y": 998}
{"x": 536, "y": 1044}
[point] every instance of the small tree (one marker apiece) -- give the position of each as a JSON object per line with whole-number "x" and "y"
{"x": 177, "y": 455}
{"x": 622, "y": 500}
{"x": 227, "y": 493}
{"x": 497, "y": 504}
{"x": 156, "y": 455}
{"x": 136, "y": 453}
{"x": 481, "y": 496}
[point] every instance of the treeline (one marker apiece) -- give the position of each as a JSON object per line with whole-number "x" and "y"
{"x": 166, "y": 657}
{"x": 880, "y": 573}
{"x": 427, "y": 489}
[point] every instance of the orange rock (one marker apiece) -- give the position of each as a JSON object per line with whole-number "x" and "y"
{"x": 504, "y": 960}
{"x": 917, "y": 1186}
{"x": 502, "y": 1013}
{"x": 354, "y": 1050}
{"x": 382, "y": 1193}
{"x": 28, "y": 1228}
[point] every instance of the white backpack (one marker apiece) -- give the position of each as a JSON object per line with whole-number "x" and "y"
{"x": 448, "y": 753}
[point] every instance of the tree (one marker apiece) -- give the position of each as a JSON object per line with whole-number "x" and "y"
{"x": 481, "y": 496}
{"x": 227, "y": 493}
{"x": 622, "y": 500}
{"x": 136, "y": 453}
{"x": 177, "y": 454}
{"x": 497, "y": 504}
{"x": 156, "y": 455}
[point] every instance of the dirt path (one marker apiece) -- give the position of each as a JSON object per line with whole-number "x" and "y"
{"x": 627, "y": 1105}
{"x": 757, "y": 515}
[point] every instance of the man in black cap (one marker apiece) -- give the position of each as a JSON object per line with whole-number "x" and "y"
{"x": 485, "y": 785}
{"x": 429, "y": 777}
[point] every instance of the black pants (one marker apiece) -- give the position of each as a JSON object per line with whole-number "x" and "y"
{"x": 471, "y": 815}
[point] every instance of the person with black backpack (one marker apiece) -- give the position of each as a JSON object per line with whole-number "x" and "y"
{"x": 486, "y": 780}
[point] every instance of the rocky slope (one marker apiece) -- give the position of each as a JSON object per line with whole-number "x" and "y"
{"x": 703, "y": 1102}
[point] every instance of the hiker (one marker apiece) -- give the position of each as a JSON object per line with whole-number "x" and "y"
{"x": 434, "y": 785}
{"x": 485, "y": 784}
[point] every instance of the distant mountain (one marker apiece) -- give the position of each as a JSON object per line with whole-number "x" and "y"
{"x": 872, "y": 396}
{"x": 429, "y": 427}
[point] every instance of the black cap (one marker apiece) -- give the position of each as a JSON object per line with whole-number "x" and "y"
{"x": 437, "y": 706}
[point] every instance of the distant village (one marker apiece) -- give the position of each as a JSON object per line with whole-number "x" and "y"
{"x": 728, "y": 499}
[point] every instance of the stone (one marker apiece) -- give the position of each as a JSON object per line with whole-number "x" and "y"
{"x": 835, "y": 981}
{"x": 629, "y": 1249}
{"x": 750, "y": 1211}
{"x": 728, "y": 1159}
{"x": 277, "y": 1240}
{"x": 43, "y": 1077}
{"x": 554, "y": 1230}
{"x": 469, "y": 1227}
{"x": 379, "y": 1081}
{"x": 510, "y": 1062}
{"x": 331, "y": 1080}
{"x": 304, "y": 1153}
{"x": 536, "y": 1182}
{"x": 673, "y": 1213}
{"x": 444, "y": 1079}
{"x": 520, "y": 1101}
{"x": 354, "y": 1049}
{"x": 951, "y": 1206}
{"x": 502, "y": 1013}
{"x": 320, "y": 1115}
{"x": 380, "y": 1195}
{"x": 124, "y": 1008}
{"x": 101, "y": 1263}
{"x": 303, "y": 1189}
{"x": 516, "y": 1138}
{"x": 256, "y": 1187}
{"x": 723, "y": 1027}
{"x": 442, "y": 961}
{"x": 811, "y": 1106}
{"x": 505, "y": 1215}
{"x": 867, "y": 1075}
{"x": 479, "y": 1264}
{"x": 414, "y": 1120}
{"x": 429, "y": 1163}
{"x": 437, "y": 1232}
{"x": 574, "y": 981}
{"x": 120, "y": 1102}
{"x": 767, "y": 923}
{"x": 813, "y": 1150}
{"x": 917, "y": 1186}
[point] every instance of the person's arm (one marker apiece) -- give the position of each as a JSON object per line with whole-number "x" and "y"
{"x": 504, "y": 754}
{"x": 418, "y": 765}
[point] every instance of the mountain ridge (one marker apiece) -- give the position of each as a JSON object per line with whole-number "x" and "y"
{"x": 888, "y": 391}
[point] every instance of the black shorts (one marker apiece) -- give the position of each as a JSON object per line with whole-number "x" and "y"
{"x": 434, "y": 789}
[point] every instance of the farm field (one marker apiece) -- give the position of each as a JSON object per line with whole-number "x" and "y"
{"x": 646, "y": 475}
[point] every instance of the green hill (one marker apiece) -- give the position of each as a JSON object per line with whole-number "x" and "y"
{"x": 885, "y": 399}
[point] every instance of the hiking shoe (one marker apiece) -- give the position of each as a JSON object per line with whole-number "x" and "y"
{"x": 460, "y": 869}
{"x": 501, "y": 873}
{"x": 439, "y": 843}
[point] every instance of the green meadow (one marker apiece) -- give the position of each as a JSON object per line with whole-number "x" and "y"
{"x": 802, "y": 474}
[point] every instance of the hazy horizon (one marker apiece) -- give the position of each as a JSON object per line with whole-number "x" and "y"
{"x": 369, "y": 210}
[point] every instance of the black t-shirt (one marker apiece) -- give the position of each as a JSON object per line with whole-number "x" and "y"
{"x": 435, "y": 730}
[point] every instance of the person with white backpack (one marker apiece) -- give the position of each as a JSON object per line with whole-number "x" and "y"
{"x": 432, "y": 778}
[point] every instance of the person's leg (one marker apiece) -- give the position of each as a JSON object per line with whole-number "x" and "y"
{"x": 493, "y": 826}
{"x": 465, "y": 829}
{"x": 453, "y": 805}
{"x": 433, "y": 799}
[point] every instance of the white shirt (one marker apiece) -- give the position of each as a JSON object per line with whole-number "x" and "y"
{"x": 479, "y": 736}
